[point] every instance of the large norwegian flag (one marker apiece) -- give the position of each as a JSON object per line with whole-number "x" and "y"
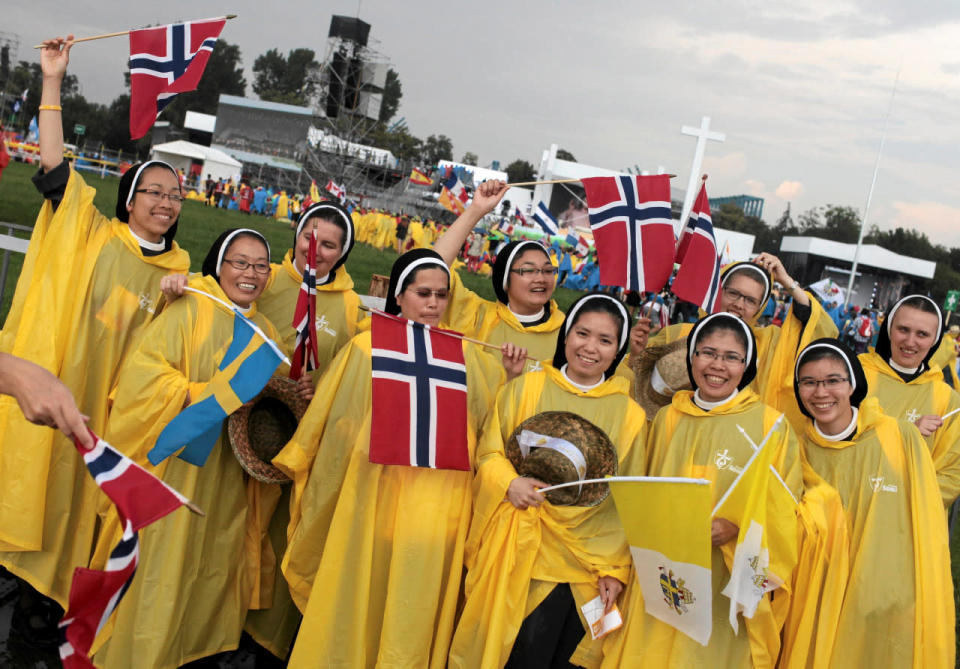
{"x": 698, "y": 279}
{"x": 632, "y": 230}
{"x": 141, "y": 498}
{"x": 419, "y": 396}
{"x": 305, "y": 317}
{"x": 164, "y": 61}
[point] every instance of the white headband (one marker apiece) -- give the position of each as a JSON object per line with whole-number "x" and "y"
{"x": 761, "y": 272}
{"x": 513, "y": 254}
{"x": 888, "y": 323}
{"x": 412, "y": 266}
{"x": 136, "y": 177}
{"x": 316, "y": 208}
{"x": 226, "y": 243}
{"x": 846, "y": 361}
{"x": 740, "y": 322}
{"x": 623, "y": 312}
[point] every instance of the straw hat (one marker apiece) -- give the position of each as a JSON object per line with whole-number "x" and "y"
{"x": 660, "y": 371}
{"x": 562, "y": 447}
{"x": 260, "y": 429}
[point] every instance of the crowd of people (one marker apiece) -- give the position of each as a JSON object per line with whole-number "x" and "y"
{"x": 362, "y": 564}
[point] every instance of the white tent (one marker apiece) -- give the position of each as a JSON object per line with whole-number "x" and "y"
{"x": 182, "y": 155}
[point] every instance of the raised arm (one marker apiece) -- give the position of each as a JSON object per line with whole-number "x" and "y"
{"x": 773, "y": 265}
{"x": 485, "y": 198}
{"x": 53, "y": 62}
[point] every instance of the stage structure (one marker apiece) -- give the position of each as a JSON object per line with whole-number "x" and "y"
{"x": 352, "y": 79}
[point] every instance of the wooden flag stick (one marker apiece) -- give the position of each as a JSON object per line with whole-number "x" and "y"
{"x": 127, "y": 32}
{"x": 566, "y": 181}
{"x": 193, "y": 507}
{"x": 455, "y": 335}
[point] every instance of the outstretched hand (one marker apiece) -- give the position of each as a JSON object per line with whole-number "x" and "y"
{"x": 488, "y": 195}
{"x": 55, "y": 55}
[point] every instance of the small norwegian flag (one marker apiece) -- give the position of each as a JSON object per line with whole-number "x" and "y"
{"x": 141, "y": 498}
{"x": 419, "y": 396}
{"x": 164, "y": 61}
{"x": 305, "y": 317}
{"x": 632, "y": 230}
{"x": 698, "y": 279}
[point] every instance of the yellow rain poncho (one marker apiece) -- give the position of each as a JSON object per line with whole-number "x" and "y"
{"x": 897, "y": 607}
{"x": 515, "y": 558}
{"x": 924, "y": 395}
{"x": 687, "y": 441}
{"x": 493, "y": 322}
{"x": 777, "y": 348}
{"x": 84, "y": 295}
{"x": 946, "y": 359}
{"x": 197, "y": 574}
{"x": 282, "y": 210}
{"x": 375, "y": 555}
{"x": 338, "y": 312}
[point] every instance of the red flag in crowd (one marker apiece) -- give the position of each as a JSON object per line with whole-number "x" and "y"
{"x": 305, "y": 317}
{"x": 164, "y": 61}
{"x": 419, "y": 396}
{"x": 141, "y": 498}
{"x": 632, "y": 230}
{"x": 698, "y": 279}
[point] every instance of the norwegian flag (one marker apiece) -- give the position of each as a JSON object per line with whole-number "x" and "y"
{"x": 164, "y": 61}
{"x": 337, "y": 190}
{"x": 305, "y": 317}
{"x": 419, "y": 396}
{"x": 698, "y": 279}
{"x": 632, "y": 230}
{"x": 141, "y": 498}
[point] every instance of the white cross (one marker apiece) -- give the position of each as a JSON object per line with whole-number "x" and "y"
{"x": 702, "y": 134}
{"x": 913, "y": 415}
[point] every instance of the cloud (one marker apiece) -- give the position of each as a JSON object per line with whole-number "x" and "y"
{"x": 935, "y": 219}
{"x": 789, "y": 190}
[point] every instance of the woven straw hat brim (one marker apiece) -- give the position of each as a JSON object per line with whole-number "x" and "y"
{"x": 552, "y": 467}
{"x": 675, "y": 375}
{"x": 260, "y": 429}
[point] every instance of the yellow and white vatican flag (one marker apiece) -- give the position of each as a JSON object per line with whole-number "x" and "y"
{"x": 762, "y": 506}
{"x": 667, "y": 523}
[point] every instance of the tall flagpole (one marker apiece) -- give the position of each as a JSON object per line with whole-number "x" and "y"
{"x": 873, "y": 183}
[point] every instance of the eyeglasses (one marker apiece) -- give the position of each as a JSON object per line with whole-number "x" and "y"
{"x": 829, "y": 383}
{"x": 157, "y": 196}
{"x": 425, "y": 293}
{"x": 735, "y": 295}
{"x": 241, "y": 265}
{"x": 729, "y": 358}
{"x": 543, "y": 271}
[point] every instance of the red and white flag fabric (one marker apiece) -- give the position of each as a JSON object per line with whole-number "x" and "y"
{"x": 583, "y": 246}
{"x": 141, "y": 498}
{"x": 453, "y": 195}
{"x": 698, "y": 279}
{"x": 305, "y": 317}
{"x": 164, "y": 61}
{"x": 419, "y": 396}
{"x": 632, "y": 230}
{"x": 339, "y": 191}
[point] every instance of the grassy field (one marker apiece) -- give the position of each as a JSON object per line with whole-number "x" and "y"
{"x": 200, "y": 225}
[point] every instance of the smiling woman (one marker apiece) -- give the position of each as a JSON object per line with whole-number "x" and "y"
{"x": 89, "y": 288}
{"x": 908, "y": 385}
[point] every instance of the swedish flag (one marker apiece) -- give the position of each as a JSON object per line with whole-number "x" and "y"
{"x": 246, "y": 367}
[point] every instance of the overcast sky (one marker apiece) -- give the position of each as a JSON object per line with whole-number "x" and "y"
{"x": 800, "y": 89}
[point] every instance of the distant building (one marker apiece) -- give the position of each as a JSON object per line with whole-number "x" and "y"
{"x": 751, "y": 206}
{"x": 883, "y": 276}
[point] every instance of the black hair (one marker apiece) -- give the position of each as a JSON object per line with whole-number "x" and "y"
{"x": 127, "y": 185}
{"x": 724, "y": 322}
{"x": 603, "y": 307}
{"x": 510, "y": 253}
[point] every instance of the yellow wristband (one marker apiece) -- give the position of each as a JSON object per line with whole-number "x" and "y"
{"x": 50, "y": 108}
